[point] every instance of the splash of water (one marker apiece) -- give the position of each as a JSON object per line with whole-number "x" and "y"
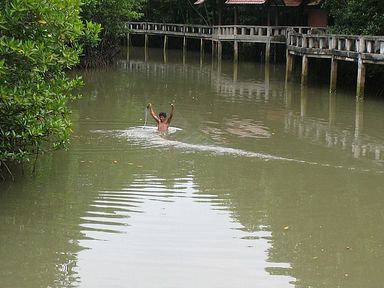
{"x": 148, "y": 136}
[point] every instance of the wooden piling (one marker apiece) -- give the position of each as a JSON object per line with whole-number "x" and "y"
{"x": 360, "y": 70}
{"x": 360, "y": 79}
{"x": 333, "y": 76}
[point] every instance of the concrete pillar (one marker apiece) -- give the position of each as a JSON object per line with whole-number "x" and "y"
{"x": 235, "y": 51}
{"x": 333, "y": 77}
{"x": 304, "y": 70}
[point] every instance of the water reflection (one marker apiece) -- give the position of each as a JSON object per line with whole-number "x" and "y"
{"x": 177, "y": 228}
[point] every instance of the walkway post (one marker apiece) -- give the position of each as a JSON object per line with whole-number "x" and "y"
{"x": 268, "y": 45}
{"x": 360, "y": 70}
{"x": 304, "y": 70}
{"x": 235, "y": 45}
{"x": 235, "y": 51}
{"x": 289, "y": 59}
{"x": 146, "y": 47}
{"x": 333, "y": 76}
{"x": 304, "y": 67}
{"x": 165, "y": 46}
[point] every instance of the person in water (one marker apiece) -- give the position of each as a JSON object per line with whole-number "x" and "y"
{"x": 162, "y": 121}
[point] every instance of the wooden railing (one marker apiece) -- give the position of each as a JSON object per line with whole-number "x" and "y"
{"x": 243, "y": 33}
{"x": 310, "y": 41}
{"x": 344, "y": 47}
{"x": 198, "y": 31}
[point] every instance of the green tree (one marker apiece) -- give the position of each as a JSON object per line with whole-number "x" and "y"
{"x": 111, "y": 15}
{"x": 39, "y": 40}
{"x": 360, "y": 17}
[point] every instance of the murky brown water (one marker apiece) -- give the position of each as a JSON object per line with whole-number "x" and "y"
{"x": 258, "y": 184}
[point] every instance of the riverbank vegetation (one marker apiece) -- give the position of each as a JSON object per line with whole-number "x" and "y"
{"x": 39, "y": 41}
{"x": 112, "y": 16}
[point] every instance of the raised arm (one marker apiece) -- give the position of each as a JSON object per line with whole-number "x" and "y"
{"x": 153, "y": 114}
{"x": 171, "y": 114}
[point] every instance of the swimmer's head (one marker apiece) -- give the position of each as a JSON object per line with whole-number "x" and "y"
{"x": 162, "y": 116}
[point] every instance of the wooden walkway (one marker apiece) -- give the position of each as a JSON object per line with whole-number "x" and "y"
{"x": 306, "y": 42}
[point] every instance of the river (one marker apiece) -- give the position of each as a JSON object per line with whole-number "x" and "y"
{"x": 257, "y": 184}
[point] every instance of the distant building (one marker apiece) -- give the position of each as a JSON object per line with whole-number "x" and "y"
{"x": 279, "y": 12}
